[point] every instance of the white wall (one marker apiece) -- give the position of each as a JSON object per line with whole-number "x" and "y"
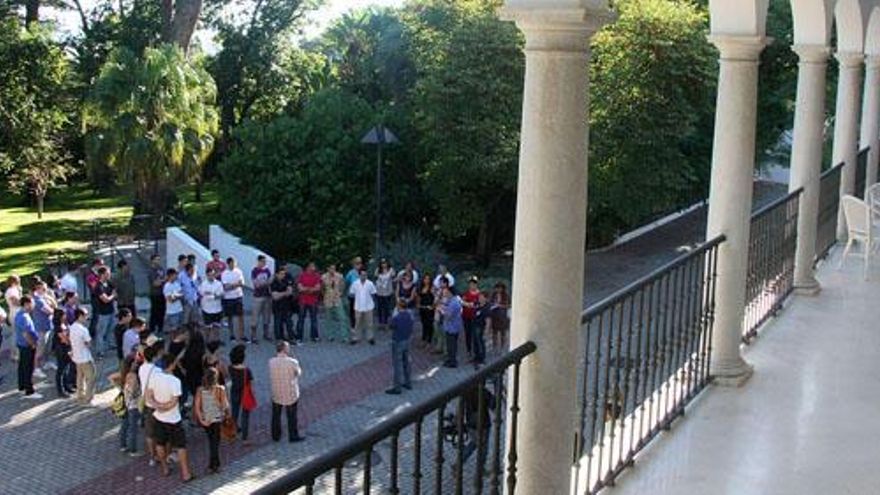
{"x": 230, "y": 245}
{"x": 179, "y": 242}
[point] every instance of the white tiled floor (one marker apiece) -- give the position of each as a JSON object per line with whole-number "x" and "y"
{"x": 807, "y": 422}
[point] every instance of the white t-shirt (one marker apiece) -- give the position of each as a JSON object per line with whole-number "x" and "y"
{"x": 69, "y": 284}
{"x": 229, "y": 277}
{"x": 363, "y": 295}
{"x": 144, "y": 375}
{"x": 211, "y": 293}
{"x": 79, "y": 338}
{"x": 169, "y": 289}
{"x": 13, "y": 293}
{"x": 448, "y": 276}
{"x": 166, "y": 386}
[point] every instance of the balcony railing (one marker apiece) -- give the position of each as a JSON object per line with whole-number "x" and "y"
{"x": 469, "y": 416}
{"x": 647, "y": 351}
{"x": 770, "y": 270}
{"x": 861, "y": 173}
{"x": 829, "y": 205}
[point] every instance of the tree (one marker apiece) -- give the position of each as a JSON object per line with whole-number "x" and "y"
{"x": 179, "y": 18}
{"x": 38, "y": 167}
{"x": 153, "y": 121}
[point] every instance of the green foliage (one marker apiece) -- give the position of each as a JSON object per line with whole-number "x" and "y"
{"x": 411, "y": 245}
{"x": 652, "y": 90}
{"x": 152, "y": 120}
{"x": 777, "y": 80}
{"x": 300, "y": 186}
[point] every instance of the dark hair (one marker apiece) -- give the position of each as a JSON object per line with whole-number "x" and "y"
{"x": 236, "y": 354}
{"x": 80, "y": 312}
{"x": 137, "y": 322}
{"x": 230, "y": 260}
{"x": 26, "y": 300}
{"x": 181, "y": 257}
{"x": 121, "y": 264}
{"x": 280, "y": 345}
{"x": 214, "y": 251}
{"x": 58, "y": 317}
{"x": 191, "y": 257}
{"x": 169, "y": 272}
{"x": 123, "y": 313}
{"x": 210, "y": 378}
{"x": 102, "y": 271}
{"x": 280, "y": 268}
{"x": 188, "y": 267}
{"x": 67, "y": 297}
{"x": 260, "y": 257}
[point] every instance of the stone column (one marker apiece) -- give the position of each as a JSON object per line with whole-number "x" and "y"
{"x": 870, "y": 131}
{"x": 548, "y": 270}
{"x": 730, "y": 196}
{"x": 846, "y": 124}
{"x": 806, "y": 158}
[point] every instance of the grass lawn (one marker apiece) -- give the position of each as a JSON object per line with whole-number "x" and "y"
{"x": 27, "y": 243}
{"x": 198, "y": 216}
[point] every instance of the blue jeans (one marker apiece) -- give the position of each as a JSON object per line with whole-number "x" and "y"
{"x": 479, "y": 345}
{"x": 240, "y": 412}
{"x": 400, "y": 362}
{"x": 129, "y": 430}
{"x": 451, "y": 349}
{"x": 312, "y": 311}
{"x": 384, "y": 305}
{"x": 104, "y": 331}
{"x": 283, "y": 324}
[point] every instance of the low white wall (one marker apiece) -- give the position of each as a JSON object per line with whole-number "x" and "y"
{"x": 178, "y": 242}
{"x": 245, "y": 255}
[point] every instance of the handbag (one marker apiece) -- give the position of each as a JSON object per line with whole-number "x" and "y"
{"x": 117, "y": 407}
{"x": 248, "y": 400}
{"x": 228, "y": 429}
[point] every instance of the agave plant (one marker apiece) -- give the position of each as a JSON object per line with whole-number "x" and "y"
{"x": 152, "y": 120}
{"x": 411, "y": 245}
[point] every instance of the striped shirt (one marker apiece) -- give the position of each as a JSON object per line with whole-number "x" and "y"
{"x": 284, "y": 373}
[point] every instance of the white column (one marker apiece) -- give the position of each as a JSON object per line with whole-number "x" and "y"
{"x": 846, "y": 125}
{"x": 730, "y": 196}
{"x": 870, "y": 131}
{"x": 806, "y": 158}
{"x": 548, "y": 270}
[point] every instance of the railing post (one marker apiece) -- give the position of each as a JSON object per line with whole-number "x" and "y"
{"x": 730, "y": 196}
{"x": 870, "y": 130}
{"x": 806, "y": 158}
{"x": 548, "y": 272}
{"x": 846, "y": 123}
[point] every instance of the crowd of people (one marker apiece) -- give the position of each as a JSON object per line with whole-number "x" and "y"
{"x": 171, "y": 368}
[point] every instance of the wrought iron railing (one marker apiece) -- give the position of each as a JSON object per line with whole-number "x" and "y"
{"x": 647, "y": 356}
{"x": 829, "y": 204}
{"x": 770, "y": 269}
{"x": 861, "y": 173}
{"x": 473, "y": 429}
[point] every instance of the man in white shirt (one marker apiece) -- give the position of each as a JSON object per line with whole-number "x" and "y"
{"x": 173, "y": 301}
{"x": 233, "y": 299}
{"x": 146, "y": 371}
{"x": 163, "y": 395}
{"x": 363, "y": 290}
{"x": 68, "y": 281}
{"x": 81, "y": 355}
{"x": 442, "y": 271}
{"x": 211, "y": 297}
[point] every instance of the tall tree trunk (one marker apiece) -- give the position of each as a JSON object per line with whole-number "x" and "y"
{"x": 167, "y": 15}
{"x": 186, "y": 15}
{"x": 199, "y": 182}
{"x": 484, "y": 242}
{"x": 31, "y": 13}
{"x": 40, "y": 198}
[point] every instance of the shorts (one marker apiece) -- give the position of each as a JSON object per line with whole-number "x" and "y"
{"x": 173, "y": 321}
{"x": 233, "y": 307}
{"x": 149, "y": 423}
{"x": 212, "y": 318}
{"x": 170, "y": 434}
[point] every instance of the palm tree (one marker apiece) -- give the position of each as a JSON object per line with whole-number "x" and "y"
{"x": 152, "y": 120}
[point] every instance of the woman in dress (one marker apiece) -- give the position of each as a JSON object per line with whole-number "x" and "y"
{"x": 426, "y": 309}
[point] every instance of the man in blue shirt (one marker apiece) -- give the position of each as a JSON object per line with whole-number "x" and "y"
{"x": 26, "y": 338}
{"x": 452, "y": 325}
{"x": 401, "y": 325}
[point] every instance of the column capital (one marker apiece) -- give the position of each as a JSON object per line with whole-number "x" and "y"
{"x": 562, "y": 29}
{"x": 850, "y": 60}
{"x": 872, "y": 62}
{"x": 811, "y": 54}
{"x": 736, "y": 47}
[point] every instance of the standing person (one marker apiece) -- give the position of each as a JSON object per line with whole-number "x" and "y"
{"x": 69, "y": 305}
{"x": 81, "y": 354}
{"x": 440, "y": 300}
{"x": 309, "y": 286}
{"x": 211, "y": 406}
{"x": 13, "y": 296}
{"x": 401, "y": 331}
{"x": 281, "y": 292}
{"x": 350, "y": 278}
{"x": 68, "y": 281}
{"x": 482, "y": 322}
{"x": 92, "y": 281}
{"x": 452, "y": 325}
{"x": 104, "y": 297}
{"x": 173, "y": 301}
{"x": 211, "y": 297}
{"x": 26, "y": 338}
{"x": 499, "y": 305}
{"x": 362, "y": 292}
{"x": 164, "y": 393}
{"x": 61, "y": 347}
{"x": 216, "y": 263}
{"x": 408, "y": 269}
{"x": 470, "y": 299}
{"x": 132, "y": 337}
{"x": 406, "y": 292}
{"x": 261, "y": 278}
{"x": 284, "y": 374}
{"x": 335, "y": 323}
{"x": 240, "y": 374}
{"x": 384, "y": 292}
{"x": 426, "y": 309}
{"x": 123, "y": 282}
{"x": 443, "y": 272}
{"x": 189, "y": 286}
{"x": 131, "y": 395}
{"x": 157, "y": 299}
{"x": 233, "y": 299}
{"x": 146, "y": 372}
{"x": 42, "y": 317}
{"x": 123, "y": 321}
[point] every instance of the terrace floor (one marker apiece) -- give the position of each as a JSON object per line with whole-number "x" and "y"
{"x": 805, "y": 423}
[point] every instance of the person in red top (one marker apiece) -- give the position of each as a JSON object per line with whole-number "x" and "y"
{"x": 217, "y": 264}
{"x": 469, "y": 301}
{"x": 309, "y": 285}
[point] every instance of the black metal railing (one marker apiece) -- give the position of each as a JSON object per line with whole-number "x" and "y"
{"x": 770, "y": 269}
{"x": 473, "y": 430}
{"x": 647, "y": 351}
{"x": 861, "y": 173}
{"x": 829, "y": 205}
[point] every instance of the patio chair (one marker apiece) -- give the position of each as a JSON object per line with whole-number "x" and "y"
{"x": 873, "y": 198}
{"x": 859, "y": 228}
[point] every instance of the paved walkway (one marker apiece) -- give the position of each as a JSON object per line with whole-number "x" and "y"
{"x": 805, "y": 423}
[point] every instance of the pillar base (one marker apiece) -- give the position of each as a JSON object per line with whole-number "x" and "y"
{"x": 807, "y": 287}
{"x": 733, "y": 374}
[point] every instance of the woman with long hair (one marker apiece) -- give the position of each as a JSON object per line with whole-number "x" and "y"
{"x": 240, "y": 374}
{"x": 211, "y": 407}
{"x": 65, "y": 373}
{"x": 426, "y": 309}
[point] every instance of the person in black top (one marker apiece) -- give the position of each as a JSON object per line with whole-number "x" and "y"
{"x": 238, "y": 373}
{"x": 426, "y": 308}
{"x": 123, "y": 320}
{"x": 193, "y": 360}
{"x": 157, "y": 299}
{"x": 482, "y": 315}
{"x": 65, "y": 374}
{"x": 281, "y": 291}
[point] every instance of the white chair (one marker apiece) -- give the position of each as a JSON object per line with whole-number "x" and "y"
{"x": 858, "y": 227}
{"x": 873, "y": 199}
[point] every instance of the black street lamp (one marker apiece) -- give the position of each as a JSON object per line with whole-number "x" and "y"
{"x": 380, "y": 136}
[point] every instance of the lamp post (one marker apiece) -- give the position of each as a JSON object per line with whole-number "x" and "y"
{"x": 380, "y": 136}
